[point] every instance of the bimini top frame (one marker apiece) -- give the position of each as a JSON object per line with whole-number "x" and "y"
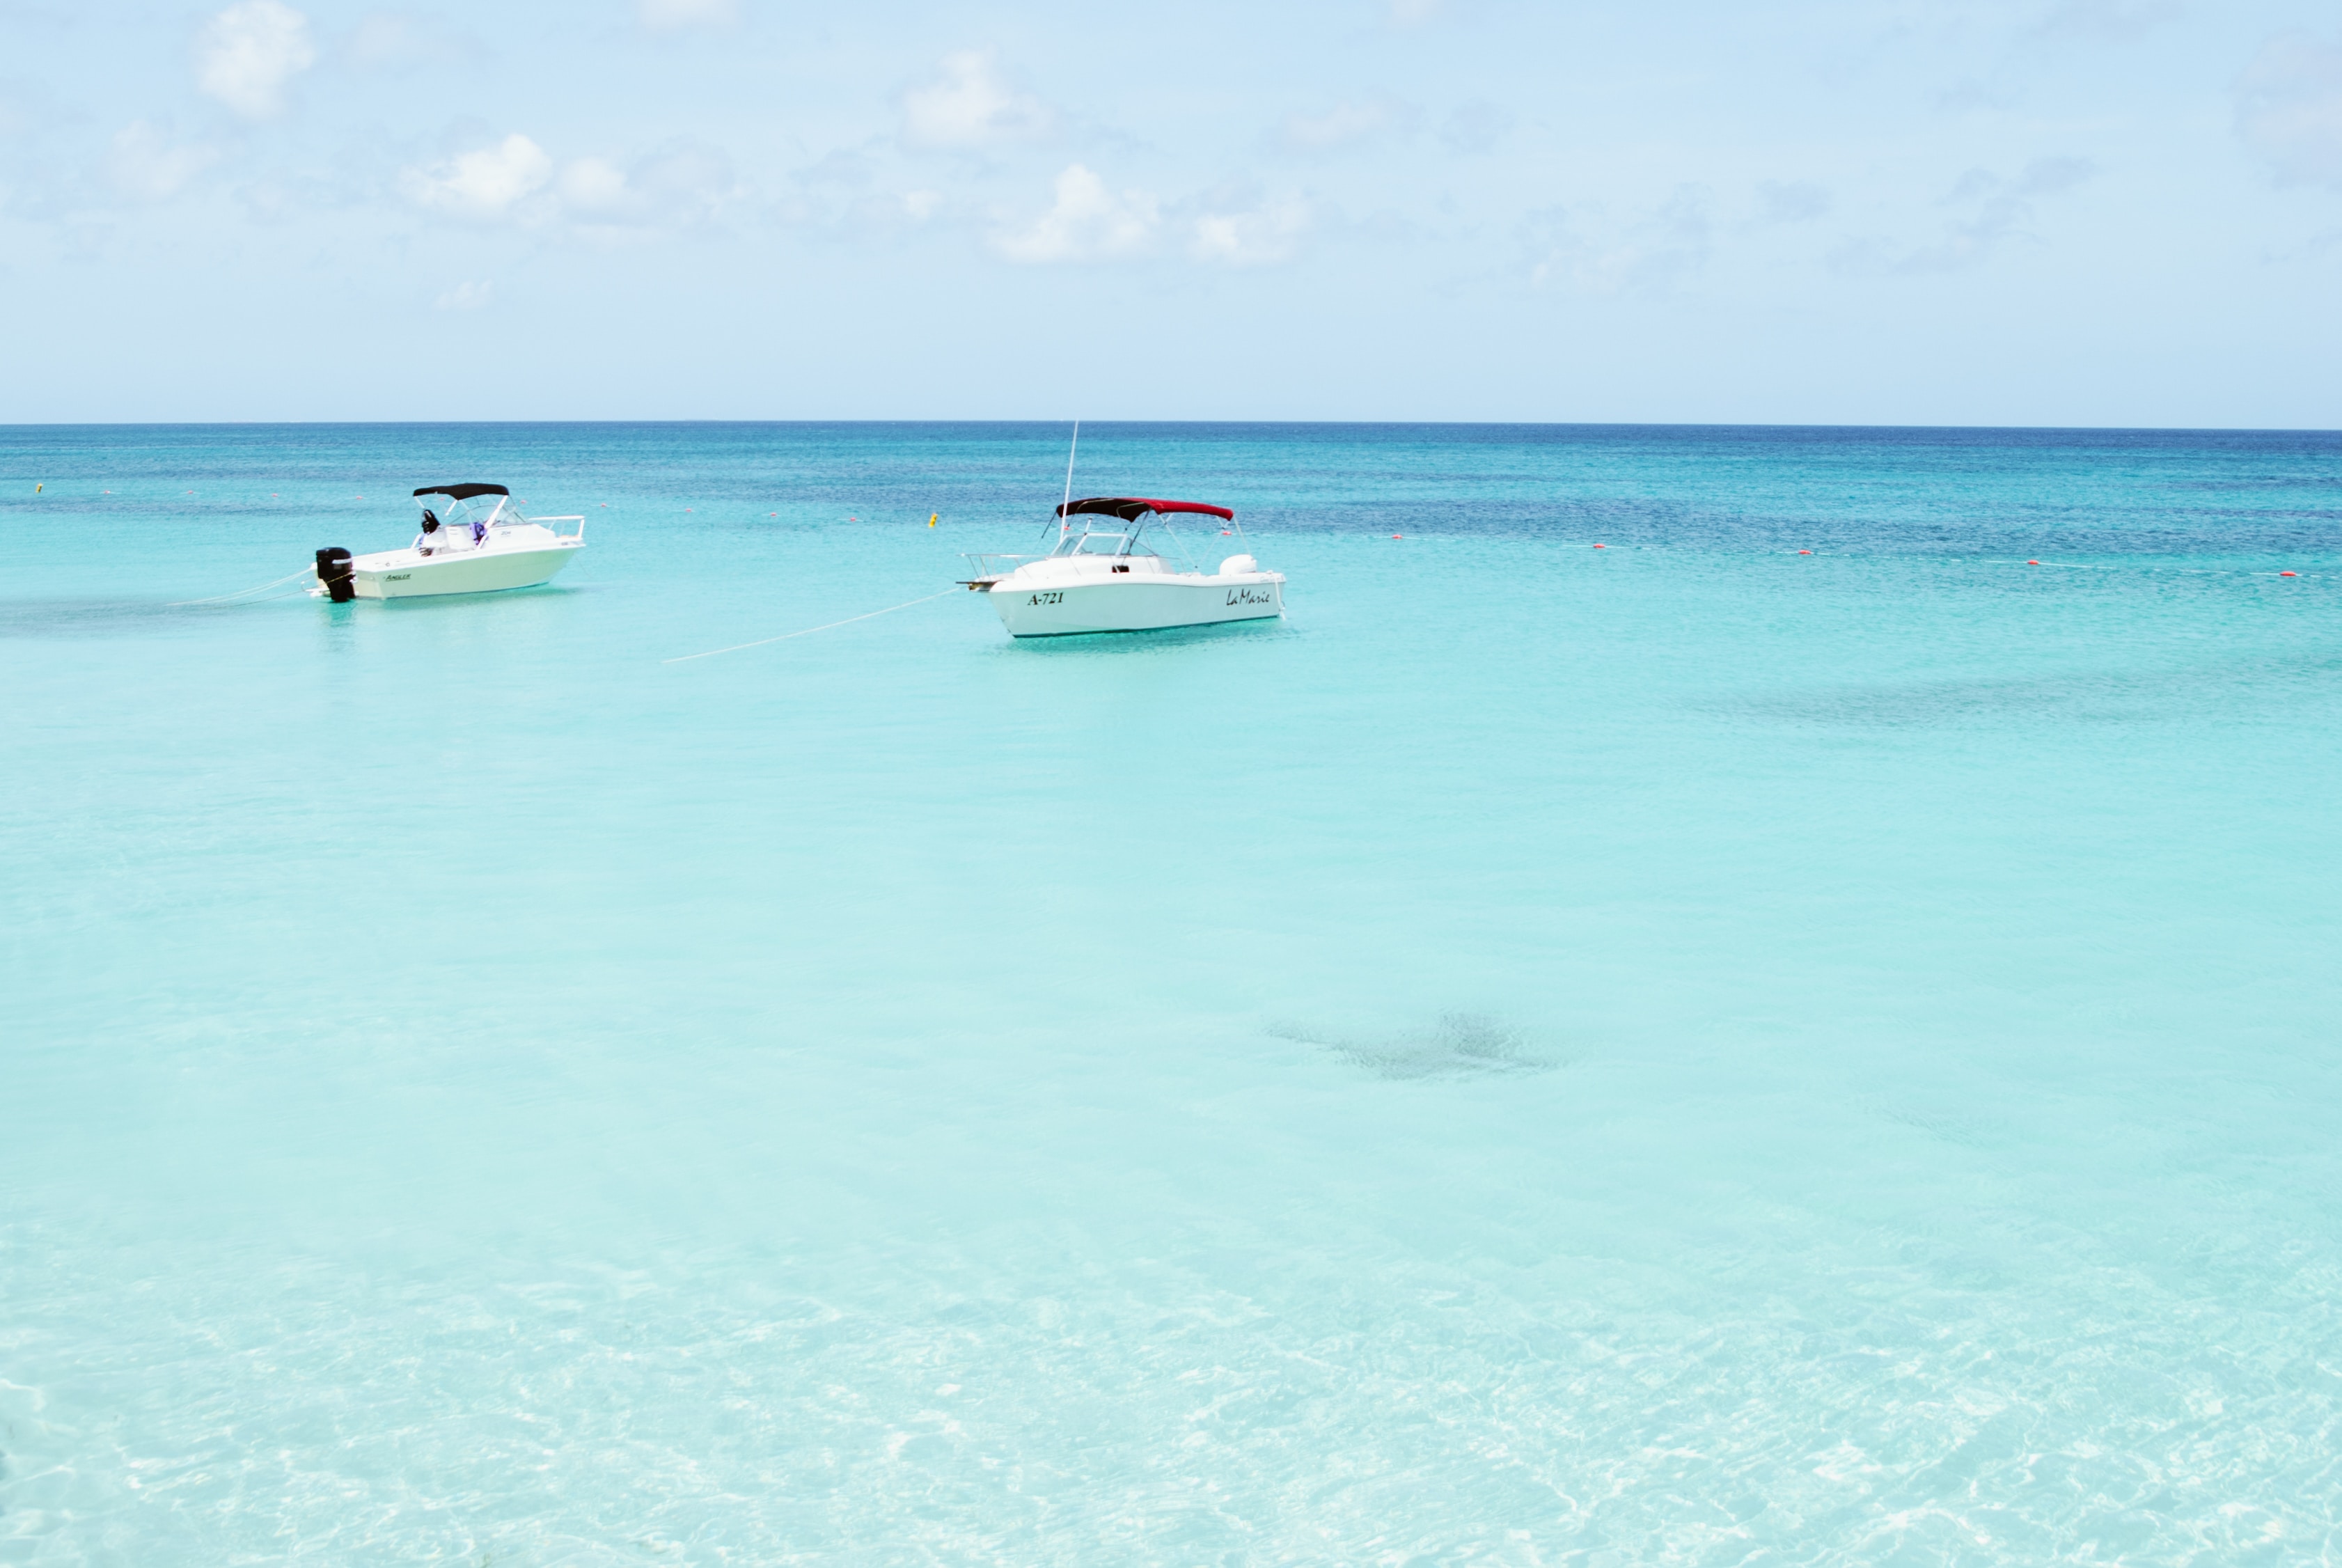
{"x": 1130, "y": 508}
{"x": 461, "y": 492}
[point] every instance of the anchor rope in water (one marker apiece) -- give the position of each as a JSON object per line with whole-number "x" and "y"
{"x": 849, "y": 620}
{"x": 263, "y": 587}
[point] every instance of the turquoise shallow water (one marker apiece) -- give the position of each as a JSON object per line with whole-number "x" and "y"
{"x": 1686, "y": 1053}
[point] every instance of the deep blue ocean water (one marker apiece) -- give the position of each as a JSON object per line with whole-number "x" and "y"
{"x": 1684, "y": 1052}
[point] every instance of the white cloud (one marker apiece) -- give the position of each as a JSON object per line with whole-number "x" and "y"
{"x": 2106, "y": 21}
{"x": 1253, "y": 236}
{"x": 681, "y": 182}
{"x": 1345, "y": 124}
{"x": 248, "y": 53}
{"x": 668, "y": 15}
{"x": 860, "y": 192}
{"x": 837, "y": 187}
{"x": 518, "y": 181}
{"x": 1792, "y": 201}
{"x": 595, "y": 187}
{"x": 465, "y": 296}
{"x": 1646, "y": 254}
{"x": 2001, "y": 210}
{"x": 402, "y": 40}
{"x": 145, "y": 164}
{"x": 1474, "y": 127}
{"x": 486, "y": 183}
{"x": 969, "y": 105}
{"x": 1088, "y": 223}
{"x": 2054, "y": 177}
{"x": 2289, "y": 108}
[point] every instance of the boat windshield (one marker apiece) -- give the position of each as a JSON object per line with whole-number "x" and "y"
{"x": 482, "y": 509}
{"x": 452, "y": 525}
{"x": 1101, "y": 545}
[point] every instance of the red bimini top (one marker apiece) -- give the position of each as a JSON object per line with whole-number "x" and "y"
{"x": 1130, "y": 508}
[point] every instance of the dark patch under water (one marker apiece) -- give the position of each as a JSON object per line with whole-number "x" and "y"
{"x": 1460, "y": 1043}
{"x": 70, "y": 617}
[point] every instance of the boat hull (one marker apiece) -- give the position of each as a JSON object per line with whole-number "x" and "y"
{"x": 482, "y": 571}
{"x": 1029, "y": 608}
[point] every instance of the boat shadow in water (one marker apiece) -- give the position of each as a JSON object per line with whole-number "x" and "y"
{"x": 1153, "y": 641}
{"x": 1460, "y": 1045}
{"x": 426, "y": 604}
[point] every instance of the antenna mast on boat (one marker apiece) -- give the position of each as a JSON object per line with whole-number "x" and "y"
{"x": 1062, "y": 523}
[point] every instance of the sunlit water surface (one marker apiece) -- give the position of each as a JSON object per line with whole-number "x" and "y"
{"x": 1686, "y": 1053}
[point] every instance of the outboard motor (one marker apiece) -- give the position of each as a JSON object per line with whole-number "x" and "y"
{"x": 334, "y": 571}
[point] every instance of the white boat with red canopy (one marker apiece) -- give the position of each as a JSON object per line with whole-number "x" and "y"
{"x": 1105, "y": 579}
{"x": 483, "y": 545}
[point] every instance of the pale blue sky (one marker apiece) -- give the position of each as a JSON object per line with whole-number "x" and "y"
{"x": 2090, "y": 212}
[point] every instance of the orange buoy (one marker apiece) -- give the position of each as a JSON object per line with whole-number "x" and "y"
{"x": 1805, "y": 552}
{"x": 1398, "y": 536}
{"x": 2284, "y": 574}
{"x": 1602, "y": 546}
{"x": 2033, "y": 563}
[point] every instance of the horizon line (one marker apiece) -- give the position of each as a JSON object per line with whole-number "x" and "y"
{"x": 1312, "y": 424}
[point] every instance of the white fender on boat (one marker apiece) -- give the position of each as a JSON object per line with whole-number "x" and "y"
{"x": 1238, "y": 564}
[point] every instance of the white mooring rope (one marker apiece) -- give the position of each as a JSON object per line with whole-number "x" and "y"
{"x": 849, "y": 620}
{"x": 264, "y": 587}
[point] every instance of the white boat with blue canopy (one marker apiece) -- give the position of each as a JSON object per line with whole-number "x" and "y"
{"x": 1105, "y": 577}
{"x": 482, "y": 545}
